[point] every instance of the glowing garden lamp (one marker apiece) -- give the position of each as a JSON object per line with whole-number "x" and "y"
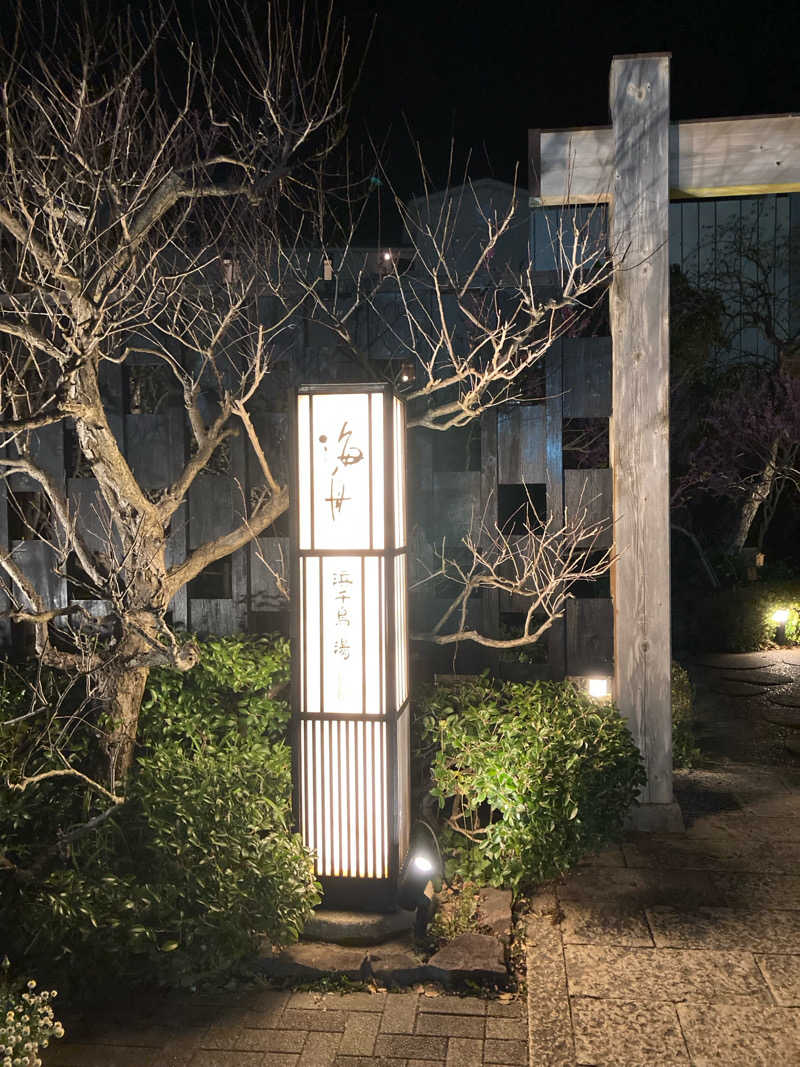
{"x": 780, "y": 618}
{"x": 598, "y": 688}
{"x": 350, "y": 645}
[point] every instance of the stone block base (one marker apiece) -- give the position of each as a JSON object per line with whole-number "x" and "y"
{"x": 656, "y": 818}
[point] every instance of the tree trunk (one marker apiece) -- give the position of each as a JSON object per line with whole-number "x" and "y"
{"x": 758, "y": 494}
{"x": 120, "y": 690}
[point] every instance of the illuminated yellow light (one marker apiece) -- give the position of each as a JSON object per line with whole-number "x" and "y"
{"x": 598, "y": 687}
{"x": 422, "y": 864}
{"x": 387, "y": 256}
{"x": 350, "y": 562}
{"x": 780, "y": 616}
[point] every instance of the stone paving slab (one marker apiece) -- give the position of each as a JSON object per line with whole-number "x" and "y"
{"x": 604, "y": 923}
{"x": 732, "y": 854}
{"x": 707, "y": 789}
{"x": 740, "y": 1036}
{"x": 735, "y": 660}
{"x": 731, "y": 688}
{"x": 612, "y": 856}
{"x": 744, "y": 890}
{"x": 550, "y": 1035}
{"x": 638, "y": 887}
{"x": 759, "y": 677}
{"x": 743, "y": 828}
{"x": 774, "y": 806}
{"x": 786, "y": 717}
{"x": 625, "y": 1033}
{"x": 665, "y": 974}
{"x": 724, "y": 928}
{"x": 785, "y": 700}
{"x": 782, "y": 974}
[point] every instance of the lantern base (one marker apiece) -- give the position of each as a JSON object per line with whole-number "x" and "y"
{"x": 357, "y": 927}
{"x": 359, "y": 894}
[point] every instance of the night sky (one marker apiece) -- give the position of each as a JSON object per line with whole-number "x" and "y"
{"x": 483, "y": 73}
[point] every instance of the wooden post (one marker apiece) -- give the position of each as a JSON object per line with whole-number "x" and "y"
{"x": 640, "y": 423}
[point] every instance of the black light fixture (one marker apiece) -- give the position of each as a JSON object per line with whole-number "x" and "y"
{"x": 421, "y": 865}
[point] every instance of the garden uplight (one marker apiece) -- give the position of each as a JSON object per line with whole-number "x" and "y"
{"x": 781, "y": 616}
{"x": 598, "y": 688}
{"x": 350, "y": 662}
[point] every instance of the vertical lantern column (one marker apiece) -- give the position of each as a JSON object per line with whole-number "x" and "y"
{"x": 350, "y": 642}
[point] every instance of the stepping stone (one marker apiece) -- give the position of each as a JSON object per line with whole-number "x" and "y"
{"x": 788, "y": 717}
{"x": 494, "y": 912}
{"x": 312, "y": 960}
{"x": 758, "y": 678}
{"x": 786, "y": 700}
{"x": 734, "y": 689}
{"x": 469, "y": 957}
{"x": 394, "y": 965}
{"x": 734, "y": 661}
{"x": 791, "y": 656}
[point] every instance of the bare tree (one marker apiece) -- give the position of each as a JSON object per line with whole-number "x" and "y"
{"x": 535, "y": 569}
{"x": 744, "y": 447}
{"x": 134, "y": 160}
{"x": 155, "y": 187}
{"x": 466, "y": 311}
{"x": 468, "y": 324}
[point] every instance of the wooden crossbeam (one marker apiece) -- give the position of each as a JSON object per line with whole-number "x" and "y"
{"x": 708, "y": 158}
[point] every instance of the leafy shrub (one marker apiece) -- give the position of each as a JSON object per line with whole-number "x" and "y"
{"x": 685, "y": 752}
{"x": 199, "y": 863}
{"x": 26, "y": 1021}
{"x": 739, "y": 619}
{"x": 532, "y": 776}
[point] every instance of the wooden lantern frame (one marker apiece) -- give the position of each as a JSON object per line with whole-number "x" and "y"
{"x": 349, "y": 567}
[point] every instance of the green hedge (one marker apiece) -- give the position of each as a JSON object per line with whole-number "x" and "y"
{"x": 739, "y": 619}
{"x": 198, "y": 865}
{"x": 530, "y": 776}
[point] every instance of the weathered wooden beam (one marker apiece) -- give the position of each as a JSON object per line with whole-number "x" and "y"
{"x": 640, "y": 423}
{"x": 707, "y": 158}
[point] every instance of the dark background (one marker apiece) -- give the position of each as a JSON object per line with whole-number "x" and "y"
{"x": 481, "y": 74}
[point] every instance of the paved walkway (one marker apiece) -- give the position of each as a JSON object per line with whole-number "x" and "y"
{"x": 275, "y": 1029}
{"x": 668, "y": 949}
{"x": 685, "y": 948}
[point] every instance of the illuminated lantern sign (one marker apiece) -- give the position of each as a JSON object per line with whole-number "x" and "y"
{"x": 350, "y": 654}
